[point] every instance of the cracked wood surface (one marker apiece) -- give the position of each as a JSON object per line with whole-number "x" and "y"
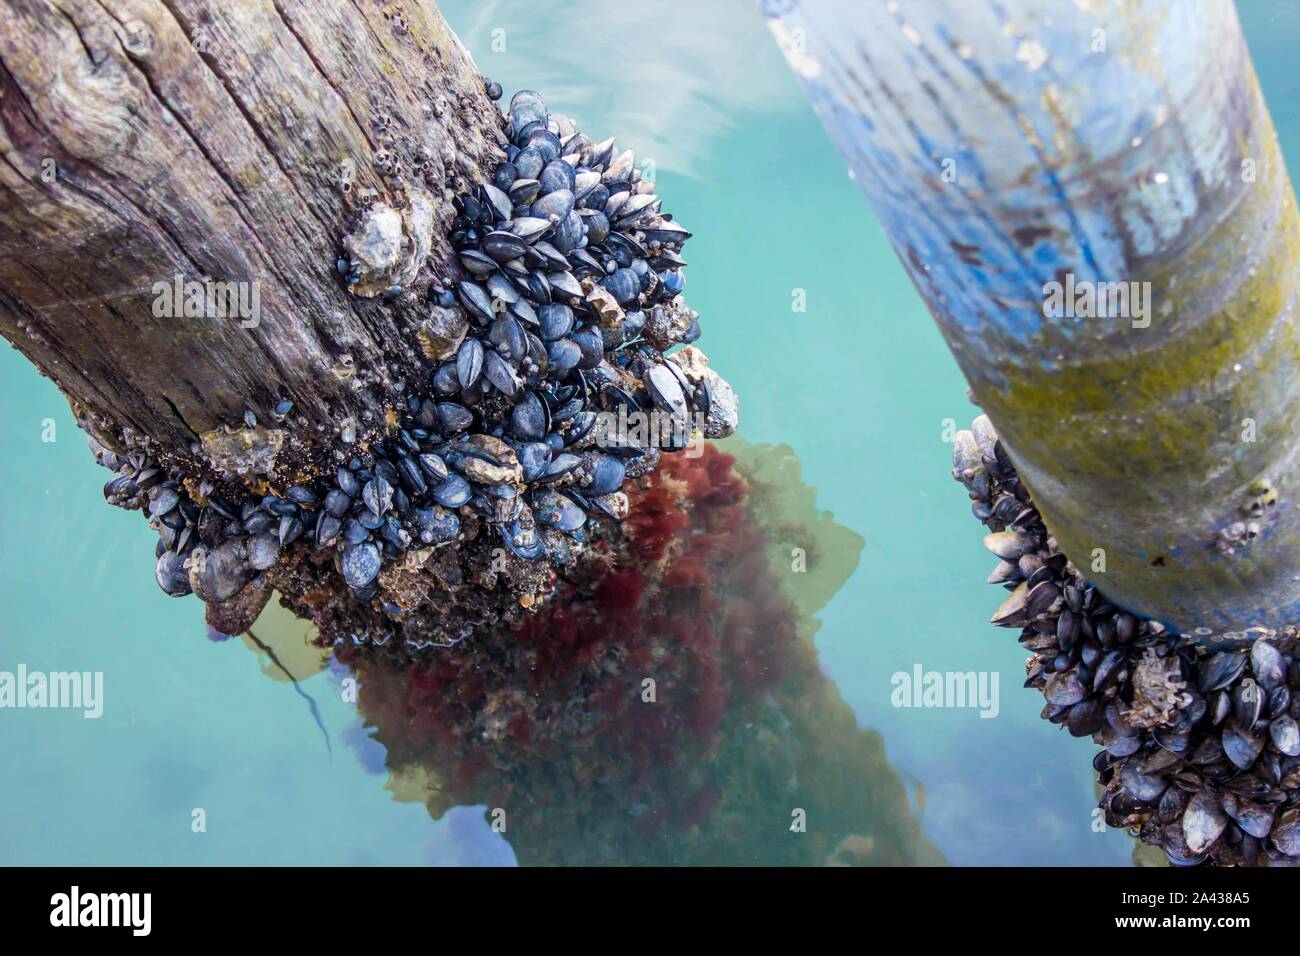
{"x": 141, "y": 140}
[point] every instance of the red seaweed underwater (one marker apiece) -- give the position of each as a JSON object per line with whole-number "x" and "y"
{"x": 665, "y": 708}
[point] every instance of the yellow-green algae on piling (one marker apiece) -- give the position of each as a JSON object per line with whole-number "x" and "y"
{"x": 1154, "y": 428}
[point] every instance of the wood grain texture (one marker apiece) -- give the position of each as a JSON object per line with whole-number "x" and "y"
{"x": 212, "y": 141}
{"x": 1011, "y": 146}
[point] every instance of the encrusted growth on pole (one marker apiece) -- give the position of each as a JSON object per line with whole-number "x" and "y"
{"x": 1091, "y": 201}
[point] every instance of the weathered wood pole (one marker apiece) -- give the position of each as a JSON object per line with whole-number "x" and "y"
{"x": 141, "y": 141}
{"x": 1091, "y": 200}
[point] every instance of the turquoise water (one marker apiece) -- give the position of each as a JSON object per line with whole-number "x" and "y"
{"x": 858, "y": 385}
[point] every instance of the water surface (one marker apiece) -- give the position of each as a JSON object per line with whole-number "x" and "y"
{"x": 857, "y": 387}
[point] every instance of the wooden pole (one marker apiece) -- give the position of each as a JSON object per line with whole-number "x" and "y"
{"x": 1091, "y": 200}
{"x": 147, "y": 144}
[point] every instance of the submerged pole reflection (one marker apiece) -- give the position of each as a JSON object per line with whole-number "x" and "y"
{"x": 667, "y": 707}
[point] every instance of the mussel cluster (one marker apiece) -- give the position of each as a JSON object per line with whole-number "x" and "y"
{"x": 1202, "y": 744}
{"x": 557, "y": 332}
{"x": 572, "y": 301}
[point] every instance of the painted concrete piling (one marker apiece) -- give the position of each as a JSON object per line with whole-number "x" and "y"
{"x": 1121, "y": 152}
